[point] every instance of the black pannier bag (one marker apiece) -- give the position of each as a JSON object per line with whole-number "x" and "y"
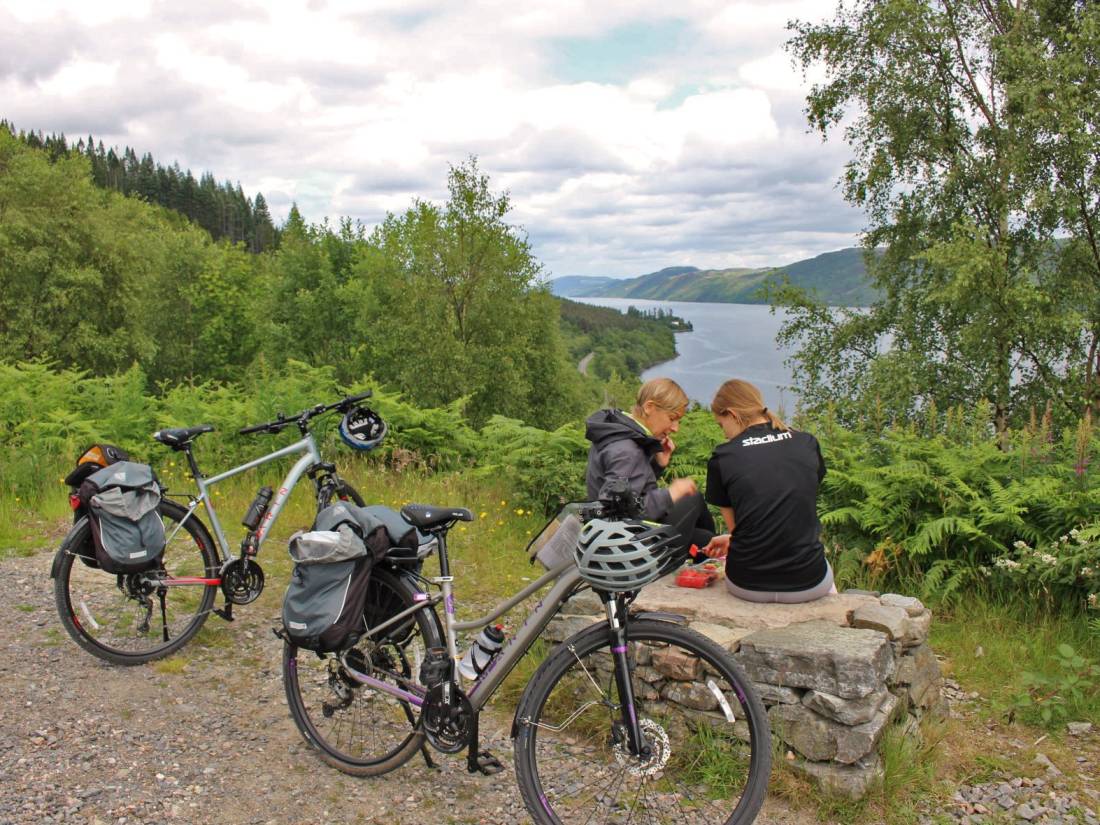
{"x": 324, "y": 606}
{"x": 121, "y": 501}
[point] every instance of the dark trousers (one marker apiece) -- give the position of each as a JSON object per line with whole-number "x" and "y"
{"x": 691, "y": 517}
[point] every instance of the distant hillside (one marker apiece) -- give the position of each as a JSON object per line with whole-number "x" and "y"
{"x": 839, "y": 278}
{"x": 569, "y": 286}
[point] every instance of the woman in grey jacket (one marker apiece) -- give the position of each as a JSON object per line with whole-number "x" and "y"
{"x": 636, "y": 447}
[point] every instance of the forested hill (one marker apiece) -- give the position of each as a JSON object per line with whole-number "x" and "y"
{"x": 838, "y": 278}
{"x": 443, "y": 304}
{"x": 222, "y": 209}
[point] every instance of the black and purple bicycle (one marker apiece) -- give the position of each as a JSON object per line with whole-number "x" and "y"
{"x": 637, "y": 718}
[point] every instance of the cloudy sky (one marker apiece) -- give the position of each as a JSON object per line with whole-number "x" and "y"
{"x": 631, "y": 135}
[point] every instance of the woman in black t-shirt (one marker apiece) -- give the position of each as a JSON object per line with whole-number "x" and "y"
{"x": 765, "y": 480}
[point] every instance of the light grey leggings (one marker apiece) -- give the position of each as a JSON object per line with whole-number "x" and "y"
{"x": 824, "y": 588}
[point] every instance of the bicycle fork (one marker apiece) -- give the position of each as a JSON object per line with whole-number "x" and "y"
{"x": 620, "y": 646}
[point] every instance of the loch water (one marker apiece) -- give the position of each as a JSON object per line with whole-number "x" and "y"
{"x": 728, "y": 341}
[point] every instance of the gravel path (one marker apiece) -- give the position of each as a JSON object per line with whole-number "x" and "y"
{"x": 211, "y": 742}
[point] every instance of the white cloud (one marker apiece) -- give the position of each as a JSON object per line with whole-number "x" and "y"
{"x": 697, "y": 155}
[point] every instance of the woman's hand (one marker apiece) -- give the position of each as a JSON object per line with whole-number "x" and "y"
{"x": 665, "y": 455}
{"x": 682, "y": 487}
{"x": 718, "y": 547}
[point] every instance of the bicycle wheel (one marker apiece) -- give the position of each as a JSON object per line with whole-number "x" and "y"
{"x": 337, "y": 490}
{"x": 361, "y": 730}
{"x": 133, "y": 618}
{"x": 710, "y": 748}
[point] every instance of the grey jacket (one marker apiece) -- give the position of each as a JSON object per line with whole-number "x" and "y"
{"x": 621, "y": 449}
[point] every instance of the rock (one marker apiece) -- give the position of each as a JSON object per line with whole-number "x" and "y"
{"x": 585, "y": 601}
{"x": 727, "y": 637}
{"x": 561, "y": 627}
{"x": 846, "y": 662}
{"x": 776, "y": 694}
{"x": 893, "y": 621}
{"x": 912, "y": 606}
{"x": 852, "y": 781}
{"x": 1043, "y": 760}
{"x": 845, "y": 711}
{"x": 1078, "y": 728}
{"x": 919, "y": 669}
{"x": 919, "y": 628}
{"x": 714, "y": 605}
{"x": 820, "y": 739}
{"x": 676, "y": 664}
{"x": 690, "y": 694}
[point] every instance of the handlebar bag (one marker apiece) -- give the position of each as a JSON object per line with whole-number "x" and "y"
{"x": 122, "y": 501}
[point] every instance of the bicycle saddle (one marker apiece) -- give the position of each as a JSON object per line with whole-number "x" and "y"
{"x": 179, "y": 437}
{"x": 429, "y": 518}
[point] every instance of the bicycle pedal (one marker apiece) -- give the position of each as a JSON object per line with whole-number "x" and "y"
{"x": 225, "y": 612}
{"x": 486, "y": 764}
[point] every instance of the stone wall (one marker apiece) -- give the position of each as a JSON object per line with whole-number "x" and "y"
{"x": 833, "y": 673}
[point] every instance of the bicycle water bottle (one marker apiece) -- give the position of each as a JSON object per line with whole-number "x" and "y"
{"x": 487, "y": 645}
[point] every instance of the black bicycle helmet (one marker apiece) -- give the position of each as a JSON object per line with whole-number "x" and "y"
{"x": 624, "y": 555}
{"x": 362, "y": 428}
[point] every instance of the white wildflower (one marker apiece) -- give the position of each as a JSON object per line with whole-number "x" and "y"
{"x": 1007, "y": 564}
{"x": 1063, "y": 539}
{"x": 1020, "y": 545}
{"x": 1046, "y": 558}
{"x": 1092, "y": 600}
{"x": 1087, "y": 571}
{"x": 1074, "y": 532}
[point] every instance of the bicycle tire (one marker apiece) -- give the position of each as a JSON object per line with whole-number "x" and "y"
{"x": 338, "y": 489}
{"x": 103, "y": 612}
{"x": 571, "y": 761}
{"x": 357, "y": 729}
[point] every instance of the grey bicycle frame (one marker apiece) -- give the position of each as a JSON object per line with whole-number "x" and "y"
{"x": 566, "y": 577}
{"x": 308, "y": 446}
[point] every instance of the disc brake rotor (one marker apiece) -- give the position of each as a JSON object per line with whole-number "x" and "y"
{"x": 660, "y": 751}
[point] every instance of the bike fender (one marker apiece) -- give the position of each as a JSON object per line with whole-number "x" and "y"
{"x": 660, "y": 616}
{"x": 55, "y": 566}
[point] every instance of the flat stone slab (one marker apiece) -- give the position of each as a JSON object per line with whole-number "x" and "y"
{"x": 820, "y": 739}
{"x": 846, "y": 662}
{"x": 715, "y": 605}
{"x": 852, "y": 781}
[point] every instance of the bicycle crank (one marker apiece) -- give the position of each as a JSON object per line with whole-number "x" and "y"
{"x": 447, "y": 724}
{"x": 242, "y": 581}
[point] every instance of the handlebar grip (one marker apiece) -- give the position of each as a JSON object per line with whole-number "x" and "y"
{"x": 351, "y": 399}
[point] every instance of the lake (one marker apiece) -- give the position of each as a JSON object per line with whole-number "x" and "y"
{"x": 728, "y": 341}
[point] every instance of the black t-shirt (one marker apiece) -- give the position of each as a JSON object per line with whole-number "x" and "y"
{"x": 770, "y": 479}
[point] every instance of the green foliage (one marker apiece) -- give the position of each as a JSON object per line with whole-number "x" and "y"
{"x": 939, "y": 507}
{"x": 542, "y": 469}
{"x": 220, "y": 209}
{"x": 1052, "y": 696}
{"x": 451, "y": 307}
{"x": 973, "y": 129}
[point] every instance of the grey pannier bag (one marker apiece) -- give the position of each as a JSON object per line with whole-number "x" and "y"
{"x": 323, "y": 606}
{"x": 122, "y": 501}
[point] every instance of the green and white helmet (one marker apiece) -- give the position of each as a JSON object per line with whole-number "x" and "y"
{"x": 624, "y": 555}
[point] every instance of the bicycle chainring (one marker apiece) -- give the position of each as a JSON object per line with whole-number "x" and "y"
{"x": 242, "y": 581}
{"x": 447, "y": 725}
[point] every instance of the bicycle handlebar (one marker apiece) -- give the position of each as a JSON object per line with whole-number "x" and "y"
{"x": 302, "y": 418}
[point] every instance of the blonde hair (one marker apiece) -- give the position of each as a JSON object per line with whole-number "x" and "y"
{"x": 665, "y": 394}
{"x": 742, "y": 399}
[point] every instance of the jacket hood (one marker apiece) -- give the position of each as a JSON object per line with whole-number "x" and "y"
{"x": 605, "y": 426}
